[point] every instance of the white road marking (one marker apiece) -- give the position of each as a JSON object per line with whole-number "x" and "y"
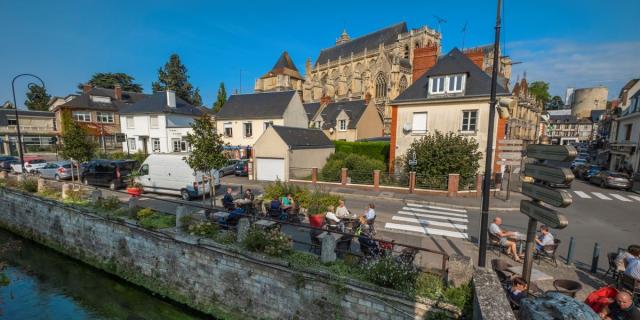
{"x": 422, "y": 215}
{"x": 619, "y": 197}
{"x": 434, "y": 207}
{"x": 436, "y": 212}
{"x": 427, "y": 231}
{"x": 601, "y": 196}
{"x": 582, "y": 194}
{"x": 431, "y": 223}
{"x": 634, "y": 198}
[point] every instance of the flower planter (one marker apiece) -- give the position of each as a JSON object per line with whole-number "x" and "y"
{"x": 135, "y": 192}
{"x": 316, "y": 220}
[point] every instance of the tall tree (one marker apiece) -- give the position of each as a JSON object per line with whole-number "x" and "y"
{"x": 540, "y": 90}
{"x": 37, "y": 98}
{"x": 108, "y": 80}
{"x": 555, "y": 103}
{"x": 221, "y": 99}
{"x": 197, "y": 99}
{"x": 173, "y": 76}
{"x": 7, "y": 105}
{"x": 76, "y": 144}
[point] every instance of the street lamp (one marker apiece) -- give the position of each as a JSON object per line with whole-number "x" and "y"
{"x": 15, "y": 106}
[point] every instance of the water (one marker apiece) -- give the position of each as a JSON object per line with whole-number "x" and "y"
{"x": 47, "y": 285}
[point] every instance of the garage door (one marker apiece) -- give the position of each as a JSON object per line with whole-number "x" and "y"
{"x": 270, "y": 169}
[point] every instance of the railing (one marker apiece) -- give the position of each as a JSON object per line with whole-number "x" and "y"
{"x": 394, "y": 179}
{"x": 432, "y": 182}
{"x": 43, "y": 129}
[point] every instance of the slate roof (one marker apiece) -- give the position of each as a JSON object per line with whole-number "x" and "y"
{"x": 478, "y": 82}
{"x": 311, "y": 109}
{"x": 265, "y": 105}
{"x": 284, "y": 65}
{"x": 157, "y": 103}
{"x": 83, "y": 101}
{"x": 10, "y": 113}
{"x": 371, "y": 41}
{"x": 354, "y": 109}
{"x": 303, "y": 138}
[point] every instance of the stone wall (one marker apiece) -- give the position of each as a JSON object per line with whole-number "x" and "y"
{"x": 489, "y": 300}
{"x": 221, "y": 280}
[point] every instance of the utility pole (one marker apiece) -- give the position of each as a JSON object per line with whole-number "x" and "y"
{"x": 486, "y": 183}
{"x": 15, "y": 108}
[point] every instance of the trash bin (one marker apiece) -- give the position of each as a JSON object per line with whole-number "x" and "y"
{"x": 567, "y": 287}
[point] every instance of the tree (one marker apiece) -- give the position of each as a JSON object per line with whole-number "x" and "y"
{"x": 221, "y": 99}
{"x": 173, "y": 76}
{"x": 76, "y": 144}
{"x": 540, "y": 90}
{"x": 555, "y": 104}
{"x": 197, "y": 99}
{"x": 207, "y": 149}
{"x": 109, "y": 80}
{"x": 440, "y": 154}
{"x": 37, "y": 98}
{"x": 6, "y": 105}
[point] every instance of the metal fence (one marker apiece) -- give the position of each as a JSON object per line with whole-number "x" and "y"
{"x": 392, "y": 179}
{"x": 432, "y": 182}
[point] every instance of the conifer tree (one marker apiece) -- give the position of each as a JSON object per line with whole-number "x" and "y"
{"x": 37, "y": 98}
{"x": 221, "y": 99}
{"x": 173, "y": 76}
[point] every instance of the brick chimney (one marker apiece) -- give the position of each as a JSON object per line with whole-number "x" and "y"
{"x": 171, "y": 98}
{"x": 424, "y": 59}
{"x": 367, "y": 98}
{"x": 477, "y": 56}
{"x": 325, "y": 100}
{"x": 86, "y": 87}
{"x": 117, "y": 92}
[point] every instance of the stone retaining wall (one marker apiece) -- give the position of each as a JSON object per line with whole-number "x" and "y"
{"x": 221, "y": 280}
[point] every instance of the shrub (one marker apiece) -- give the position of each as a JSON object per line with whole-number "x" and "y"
{"x": 461, "y": 297}
{"x": 360, "y": 167}
{"x": 317, "y": 201}
{"x": 109, "y": 203}
{"x": 429, "y": 286}
{"x": 387, "y": 272}
{"x": 50, "y": 193}
{"x": 76, "y": 197}
{"x": 158, "y": 221}
{"x": 279, "y": 189}
{"x": 187, "y": 221}
{"x": 29, "y": 185}
{"x": 273, "y": 242}
{"x": 205, "y": 229}
{"x": 225, "y": 237}
{"x": 376, "y": 150}
{"x": 144, "y": 213}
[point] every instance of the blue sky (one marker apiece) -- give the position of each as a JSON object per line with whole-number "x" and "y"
{"x": 567, "y": 42}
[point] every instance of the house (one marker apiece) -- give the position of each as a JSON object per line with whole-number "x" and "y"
{"x": 98, "y": 111}
{"x": 245, "y": 117}
{"x": 36, "y": 127}
{"x": 567, "y": 129}
{"x": 348, "y": 120}
{"x": 280, "y": 150}
{"x": 452, "y": 96}
{"x": 625, "y": 153}
{"x": 158, "y": 124}
{"x": 56, "y": 101}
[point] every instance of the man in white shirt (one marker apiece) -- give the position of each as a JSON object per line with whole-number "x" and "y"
{"x": 371, "y": 213}
{"x": 545, "y": 239}
{"x": 633, "y": 269}
{"x": 498, "y": 232}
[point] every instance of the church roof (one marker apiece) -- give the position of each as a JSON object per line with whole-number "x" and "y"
{"x": 285, "y": 66}
{"x": 370, "y": 41}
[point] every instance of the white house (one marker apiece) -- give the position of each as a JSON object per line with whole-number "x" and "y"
{"x": 158, "y": 124}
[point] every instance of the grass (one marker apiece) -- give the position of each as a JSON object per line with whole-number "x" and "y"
{"x": 158, "y": 221}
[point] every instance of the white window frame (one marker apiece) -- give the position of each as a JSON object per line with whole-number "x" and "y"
{"x": 130, "y": 122}
{"x": 225, "y": 126}
{"x": 454, "y": 78}
{"x": 101, "y": 116}
{"x": 81, "y": 116}
{"x": 155, "y": 145}
{"x": 131, "y": 142}
{"x": 415, "y": 129}
{"x": 467, "y": 121}
{"x": 443, "y": 83}
{"x": 342, "y": 125}
{"x": 246, "y": 125}
{"x": 157, "y": 122}
{"x": 440, "y": 87}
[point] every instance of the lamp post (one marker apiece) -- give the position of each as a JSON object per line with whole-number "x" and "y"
{"x": 15, "y": 106}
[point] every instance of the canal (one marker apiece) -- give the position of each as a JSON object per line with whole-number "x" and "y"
{"x": 46, "y": 285}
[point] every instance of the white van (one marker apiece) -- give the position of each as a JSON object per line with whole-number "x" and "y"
{"x": 170, "y": 174}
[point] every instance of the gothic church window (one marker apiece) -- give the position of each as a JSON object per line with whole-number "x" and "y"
{"x": 406, "y": 52}
{"x": 381, "y": 86}
{"x": 403, "y": 84}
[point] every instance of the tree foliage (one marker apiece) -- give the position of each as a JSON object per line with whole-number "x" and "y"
{"x": 555, "y": 103}
{"x": 440, "y": 154}
{"x": 221, "y": 98}
{"x": 540, "y": 90}
{"x": 109, "y": 80}
{"x": 207, "y": 146}
{"x": 197, "y": 99}
{"x": 75, "y": 142}
{"x": 173, "y": 76}
{"x": 37, "y": 98}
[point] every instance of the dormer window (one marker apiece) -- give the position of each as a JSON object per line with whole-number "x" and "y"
{"x": 101, "y": 99}
{"x": 447, "y": 84}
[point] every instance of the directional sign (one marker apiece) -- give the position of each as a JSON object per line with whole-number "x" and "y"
{"x": 510, "y": 155}
{"x": 510, "y": 148}
{"x": 551, "y": 152}
{"x": 544, "y": 215}
{"x": 549, "y": 173}
{"x": 508, "y": 162}
{"x": 519, "y": 142}
{"x": 554, "y": 197}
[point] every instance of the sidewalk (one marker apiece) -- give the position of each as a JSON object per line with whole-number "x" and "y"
{"x": 469, "y": 203}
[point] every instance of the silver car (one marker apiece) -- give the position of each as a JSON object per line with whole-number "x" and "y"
{"x": 60, "y": 170}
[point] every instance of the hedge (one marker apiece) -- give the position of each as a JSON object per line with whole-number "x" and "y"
{"x": 378, "y": 150}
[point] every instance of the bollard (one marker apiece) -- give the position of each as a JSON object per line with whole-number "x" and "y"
{"x": 243, "y": 229}
{"x": 328, "y": 248}
{"x": 96, "y": 195}
{"x": 20, "y": 178}
{"x": 42, "y": 185}
{"x": 594, "y": 259}
{"x": 181, "y": 212}
{"x": 241, "y": 191}
{"x": 572, "y": 246}
{"x": 133, "y": 207}
{"x": 66, "y": 188}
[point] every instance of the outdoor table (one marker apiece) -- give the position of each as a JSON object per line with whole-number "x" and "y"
{"x": 520, "y": 239}
{"x": 220, "y": 215}
{"x": 265, "y": 224}
{"x": 536, "y": 275}
{"x": 349, "y": 221}
{"x": 336, "y": 236}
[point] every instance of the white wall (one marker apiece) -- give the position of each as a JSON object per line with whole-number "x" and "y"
{"x": 169, "y": 127}
{"x": 294, "y": 115}
{"x": 238, "y": 138}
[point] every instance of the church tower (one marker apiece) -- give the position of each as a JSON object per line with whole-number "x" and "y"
{"x": 283, "y": 76}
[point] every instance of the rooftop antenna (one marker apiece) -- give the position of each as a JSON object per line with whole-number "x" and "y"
{"x": 440, "y": 21}
{"x": 241, "y": 81}
{"x": 464, "y": 33}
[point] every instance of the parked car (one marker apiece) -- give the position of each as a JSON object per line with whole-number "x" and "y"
{"x": 242, "y": 168}
{"x": 577, "y": 162}
{"x": 588, "y": 171}
{"x": 60, "y": 170}
{"x": 170, "y": 174}
{"x": 229, "y": 168}
{"x": 109, "y": 173}
{"x": 6, "y": 162}
{"x": 30, "y": 164}
{"x": 611, "y": 179}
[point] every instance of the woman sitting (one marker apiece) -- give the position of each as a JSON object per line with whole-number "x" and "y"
{"x": 333, "y": 222}
{"x": 517, "y": 290}
{"x": 275, "y": 208}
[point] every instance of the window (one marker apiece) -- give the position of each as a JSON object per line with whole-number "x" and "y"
{"x": 153, "y": 122}
{"x": 105, "y": 117}
{"x": 456, "y": 83}
{"x": 419, "y": 125}
{"x": 109, "y": 141}
{"x": 144, "y": 170}
{"x": 248, "y": 129}
{"x": 130, "y": 122}
{"x": 179, "y": 145}
{"x": 100, "y": 99}
{"x": 318, "y": 124}
{"x": 131, "y": 143}
{"x": 406, "y": 52}
{"x": 228, "y": 130}
{"x": 82, "y": 116}
{"x": 436, "y": 85}
{"x": 381, "y": 86}
{"x": 469, "y": 120}
{"x": 342, "y": 125}
{"x": 403, "y": 84}
{"x": 447, "y": 84}
{"x": 155, "y": 145}
{"x": 267, "y": 124}
{"x": 12, "y": 122}
{"x": 627, "y": 135}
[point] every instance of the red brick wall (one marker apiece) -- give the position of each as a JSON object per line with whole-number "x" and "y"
{"x": 477, "y": 56}
{"x": 392, "y": 144}
{"x": 424, "y": 59}
{"x": 501, "y": 133}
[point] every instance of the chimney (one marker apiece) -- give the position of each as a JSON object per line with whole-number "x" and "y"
{"x": 86, "y": 87}
{"x": 367, "y": 98}
{"x": 325, "y": 100}
{"x": 424, "y": 59}
{"x": 171, "y": 98}
{"x": 117, "y": 92}
{"x": 477, "y": 56}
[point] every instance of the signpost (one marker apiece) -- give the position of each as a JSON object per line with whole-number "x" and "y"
{"x": 510, "y": 155}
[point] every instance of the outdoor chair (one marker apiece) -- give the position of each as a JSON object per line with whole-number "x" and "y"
{"x": 548, "y": 252}
{"x": 632, "y": 284}
{"x": 275, "y": 213}
{"x": 613, "y": 267}
{"x": 407, "y": 256}
{"x": 316, "y": 244}
{"x": 371, "y": 225}
{"x": 494, "y": 244}
{"x": 331, "y": 225}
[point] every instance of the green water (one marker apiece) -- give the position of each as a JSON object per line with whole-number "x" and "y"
{"x": 46, "y": 285}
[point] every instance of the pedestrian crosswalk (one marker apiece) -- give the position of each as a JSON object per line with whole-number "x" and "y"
{"x": 607, "y": 197}
{"x": 430, "y": 220}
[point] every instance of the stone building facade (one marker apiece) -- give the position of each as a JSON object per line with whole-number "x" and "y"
{"x": 283, "y": 76}
{"x": 376, "y": 66}
{"x": 524, "y": 120}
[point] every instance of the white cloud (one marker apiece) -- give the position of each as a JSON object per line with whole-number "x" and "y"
{"x": 566, "y": 63}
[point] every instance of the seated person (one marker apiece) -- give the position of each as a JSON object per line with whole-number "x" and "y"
{"x": 287, "y": 202}
{"x": 233, "y": 217}
{"x": 248, "y": 195}
{"x": 275, "y": 208}
{"x": 227, "y": 200}
{"x": 545, "y": 238}
{"x": 370, "y": 213}
{"x": 498, "y": 232}
{"x": 332, "y": 220}
{"x": 633, "y": 269}
{"x": 621, "y": 309}
{"x": 601, "y": 298}
{"x": 368, "y": 246}
{"x": 342, "y": 211}
{"x": 625, "y": 257}
{"x": 517, "y": 290}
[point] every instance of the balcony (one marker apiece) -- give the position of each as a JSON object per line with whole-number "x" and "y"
{"x": 27, "y": 129}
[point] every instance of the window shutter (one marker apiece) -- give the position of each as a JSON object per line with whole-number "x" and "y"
{"x": 419, "y": 122}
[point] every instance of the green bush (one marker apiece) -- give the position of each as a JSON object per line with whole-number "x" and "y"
{"x": 50, "y": 193}
{"x": 360, "y": 167}
{"x": 76, "y": 197}
{"x": 387, "y": 272}
{"x": 109, "y": 203}
{"x": 144, "y": 213}
{"x": 158, "y": 221}
{"x": 29, "y": 185}
{"x": 316, "y": 201}
{"x": 205, "y": 229}
{"x": 376, "y": 150}
{"x": 273, "y": 242}
{"x": 225, "y": 237}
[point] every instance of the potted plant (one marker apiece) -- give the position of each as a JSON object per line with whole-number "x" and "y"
{"x": 316, "y": 216}
{"x": 134, "y": 188}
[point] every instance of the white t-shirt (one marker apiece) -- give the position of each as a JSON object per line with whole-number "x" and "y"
{"x": 495, "y": 230}
{"x": 331, "y": 216}
{"x": 547, "y": 239}
{"x": 342, "y": 212}
{"x": 633, "y": 269}
{"x": 370, "y": 214}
